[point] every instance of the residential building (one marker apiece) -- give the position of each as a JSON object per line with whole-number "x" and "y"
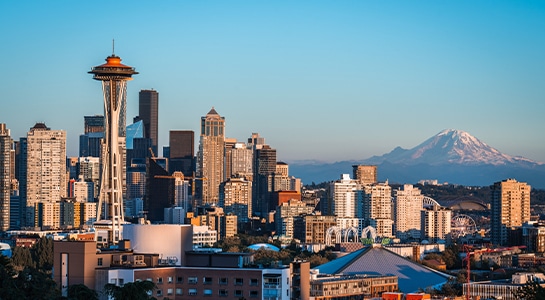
{"x": 5, "y": 176}
{"x": 342, "y": 196}
{"x": 46, "y": 174}
{"x": 376, "y": 205}
{"x": 408, "y": 203}
{"x": 285, "y": 215}
{"x": 510, "y": 207}
{"x": 236, "y": 198}
{"x": 436, "y": 223}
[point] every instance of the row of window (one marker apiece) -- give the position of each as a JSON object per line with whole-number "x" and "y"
{"x": 207, "y": 280}
{"x": 208, "y": 292}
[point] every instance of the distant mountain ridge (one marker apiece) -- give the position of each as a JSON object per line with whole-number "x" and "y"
{"x": 450, "y": 146}
{"x": 453, "y": 156}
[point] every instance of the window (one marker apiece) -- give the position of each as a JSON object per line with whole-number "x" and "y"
{"x": 192, "y": 280}
{"x": 254, "y": 281}
{"x": 121, "y": 281}
{"x": 169, "y": 279}
{"x": 223, "y": 280}
{"x": 99, "y": 261}
{"x": 192, "y": 292}
{"x": 207, "y": 280}
{"x": 238, "y": 293}
{"x": 223, "y": 293}
{"x": 207, "y": 292}
{"x": 179, "y": 279}
{"x": 169, "y": 291}
{"x": 239, "y": 281}
{"x": 179, "y": 291}
{"x": 253, "y": 294}
{"x": 159, "y": 279}
{"x": 149, "y": 279}
{"x": 159, "y": 292}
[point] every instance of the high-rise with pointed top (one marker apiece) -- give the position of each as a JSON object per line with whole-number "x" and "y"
{"x": 114, "y": 76}
{"x": 210, "y": 157}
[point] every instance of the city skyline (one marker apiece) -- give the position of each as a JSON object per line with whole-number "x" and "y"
{"x": 365, "y": 77}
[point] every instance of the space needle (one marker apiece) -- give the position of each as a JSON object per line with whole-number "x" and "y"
{"x": 114, "y": 76}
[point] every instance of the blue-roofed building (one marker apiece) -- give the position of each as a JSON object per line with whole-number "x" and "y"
{"x": 376, "y": 260}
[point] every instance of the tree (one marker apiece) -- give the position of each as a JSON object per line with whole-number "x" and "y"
{"x": 81, "y": 292}
{"x": 138, "y": 290}
{"x": 42, "y": 252}
{"x": 22, "y": 258}
{"x": 532, "y": 290}
{"x": 33, "y": 284}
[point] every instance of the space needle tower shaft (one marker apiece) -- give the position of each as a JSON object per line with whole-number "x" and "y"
{"x": 114, "y": 77}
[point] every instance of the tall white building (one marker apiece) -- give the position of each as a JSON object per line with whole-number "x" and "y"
{"x": 343, "y": 196}
{"x": 377, "y": 208}
{"x": 407, "y": 207}
{"x": 5, "y": 177}
{"x": 46, "y": 171}
{"x": 436, "y": 223}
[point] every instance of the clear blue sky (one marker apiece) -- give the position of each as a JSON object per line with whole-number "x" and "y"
{"x": 324, "y": 80}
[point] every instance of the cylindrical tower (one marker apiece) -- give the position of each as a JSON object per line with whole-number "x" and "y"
{"x": 114, "y": 77}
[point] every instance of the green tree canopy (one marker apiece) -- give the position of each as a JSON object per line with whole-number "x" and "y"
{"x": 138, "y": 290}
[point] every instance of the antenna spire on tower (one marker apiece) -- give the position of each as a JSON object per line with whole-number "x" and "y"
{"x": 113, "y": 47}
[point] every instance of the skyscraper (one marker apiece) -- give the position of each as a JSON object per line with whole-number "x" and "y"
{"x": 93, "y": 124}
{"x": 182, "y": 152}
{"x": 264, "y": 167}
{"x": 148, "y": 111}
{"x": 510, "y": 208}
{"x": 46, "y": 180}
{"x": 5, "y": 176}
{"x": 211, "y": 157}
{"x": 114, "y": 77}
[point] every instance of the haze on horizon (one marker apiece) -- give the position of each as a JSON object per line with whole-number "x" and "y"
{"x": 319, "y": 80}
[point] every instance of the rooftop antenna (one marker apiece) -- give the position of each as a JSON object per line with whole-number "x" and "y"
{"x": 113, "y": 47}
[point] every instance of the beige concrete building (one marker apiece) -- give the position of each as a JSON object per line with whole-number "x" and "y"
{"x": 312, "y": 229}
{"x": 377, "y": 208}
{"x": 436, "y": 223}
{"x": 407, "y": 207}
{"x": 285, "y": 214}
{"x": 46, "y": 180}
{"x": 236, "y": 198}
{"x": 510, "y": 208}
{"x": 210, "y": 158}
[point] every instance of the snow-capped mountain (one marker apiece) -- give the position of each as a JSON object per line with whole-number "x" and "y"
{"x": 452, "y": 156}
{"x": 450, "y": 147}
